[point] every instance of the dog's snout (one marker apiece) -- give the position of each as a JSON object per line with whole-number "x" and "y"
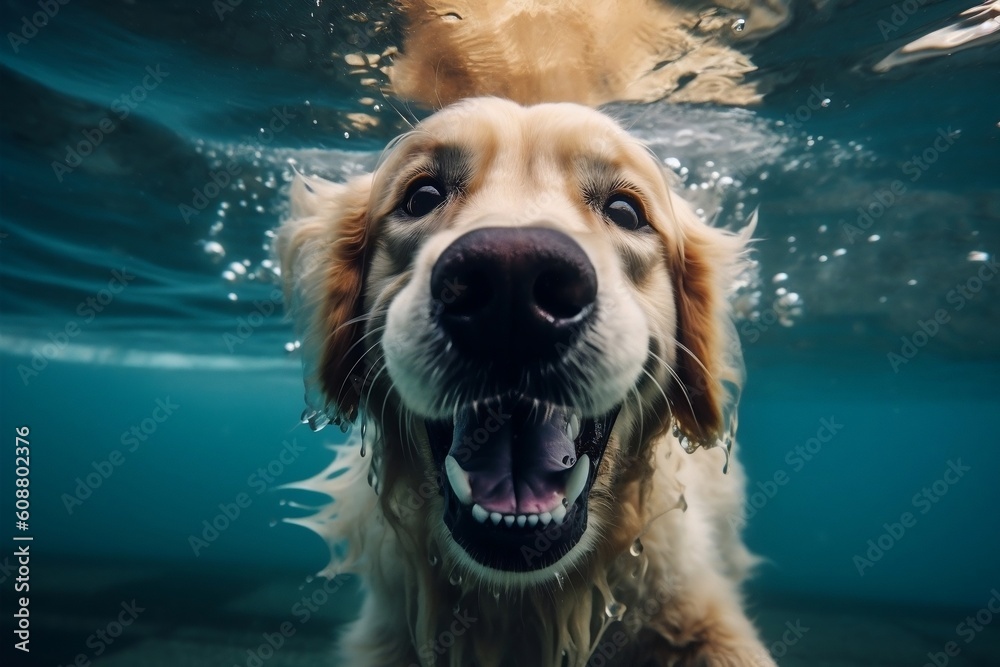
{"x": 513, "y": 292}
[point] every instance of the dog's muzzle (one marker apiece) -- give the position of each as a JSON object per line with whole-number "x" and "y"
{"x": 517, "y": 464}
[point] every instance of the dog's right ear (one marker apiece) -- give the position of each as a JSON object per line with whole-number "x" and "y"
{"x": 323, "y": 251}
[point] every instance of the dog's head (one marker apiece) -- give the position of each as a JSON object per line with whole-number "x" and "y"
{"x": 520, "y": 304}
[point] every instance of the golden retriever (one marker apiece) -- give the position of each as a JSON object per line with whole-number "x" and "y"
{"x": 531, "y": 332}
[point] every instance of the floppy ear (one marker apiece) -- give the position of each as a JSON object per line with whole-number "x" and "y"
{"x": 323, "y": 253}
{"x": 709, "y": 364}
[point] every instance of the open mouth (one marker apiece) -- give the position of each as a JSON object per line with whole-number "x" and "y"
{"x": 515, "y": 475}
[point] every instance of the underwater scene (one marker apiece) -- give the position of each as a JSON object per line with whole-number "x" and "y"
{"x": 156, "y": 438}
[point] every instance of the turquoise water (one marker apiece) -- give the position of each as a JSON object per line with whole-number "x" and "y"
{"x": 872, "y": 354}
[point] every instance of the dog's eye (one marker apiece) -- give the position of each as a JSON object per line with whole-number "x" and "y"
{"x": 423, "y": 196}
{"x": 623, "y": 210}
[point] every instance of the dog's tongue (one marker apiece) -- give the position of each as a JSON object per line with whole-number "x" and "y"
{"x": 517, "y": 457}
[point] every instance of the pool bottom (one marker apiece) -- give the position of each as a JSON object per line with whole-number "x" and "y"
{"x": 136, "y": 615}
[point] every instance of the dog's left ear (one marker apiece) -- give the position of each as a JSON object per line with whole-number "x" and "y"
{"x": 323, "y": 253}
{"x": 705, "y": 262}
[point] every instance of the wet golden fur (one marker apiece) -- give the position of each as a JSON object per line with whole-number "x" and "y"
{"x": 347, "y": 260}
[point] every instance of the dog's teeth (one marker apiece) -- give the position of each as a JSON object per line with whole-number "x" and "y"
{"x": 545, "y": 518}
{"x": 532, "y": 520}
{"x": 558, "y": 514}
{"x": 479, "y": 514}
{"x": 459, "y": 480}
{"x": 577, "y": 479}
{"x": 521, "y": 520}
{"x": 508, "y": 519}
{"x": 495, "y": 518}
{"x": 573, "y": 427}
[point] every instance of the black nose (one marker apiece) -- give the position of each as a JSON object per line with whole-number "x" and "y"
{"x": 504, "y": 292}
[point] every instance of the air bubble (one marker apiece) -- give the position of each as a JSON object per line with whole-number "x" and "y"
{"x": 317, "y": 421}
{"x": 455, "y": 579}
{"x": 979, "y": 256}
{"x": 790, "y": 299}
{"x": 615, "y": 610}
{"x": 560, "y": 579}
{"x": 433, "y": 560}
{"x": 739, "y": 25}
{"x": 214, "y": 250}
{"x": 636, "y": 547}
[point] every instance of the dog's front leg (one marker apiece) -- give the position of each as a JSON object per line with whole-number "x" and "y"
{"x": 702, "y": 625}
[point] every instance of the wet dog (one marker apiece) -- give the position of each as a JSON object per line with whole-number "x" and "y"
{"x": 531, "y": 333}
